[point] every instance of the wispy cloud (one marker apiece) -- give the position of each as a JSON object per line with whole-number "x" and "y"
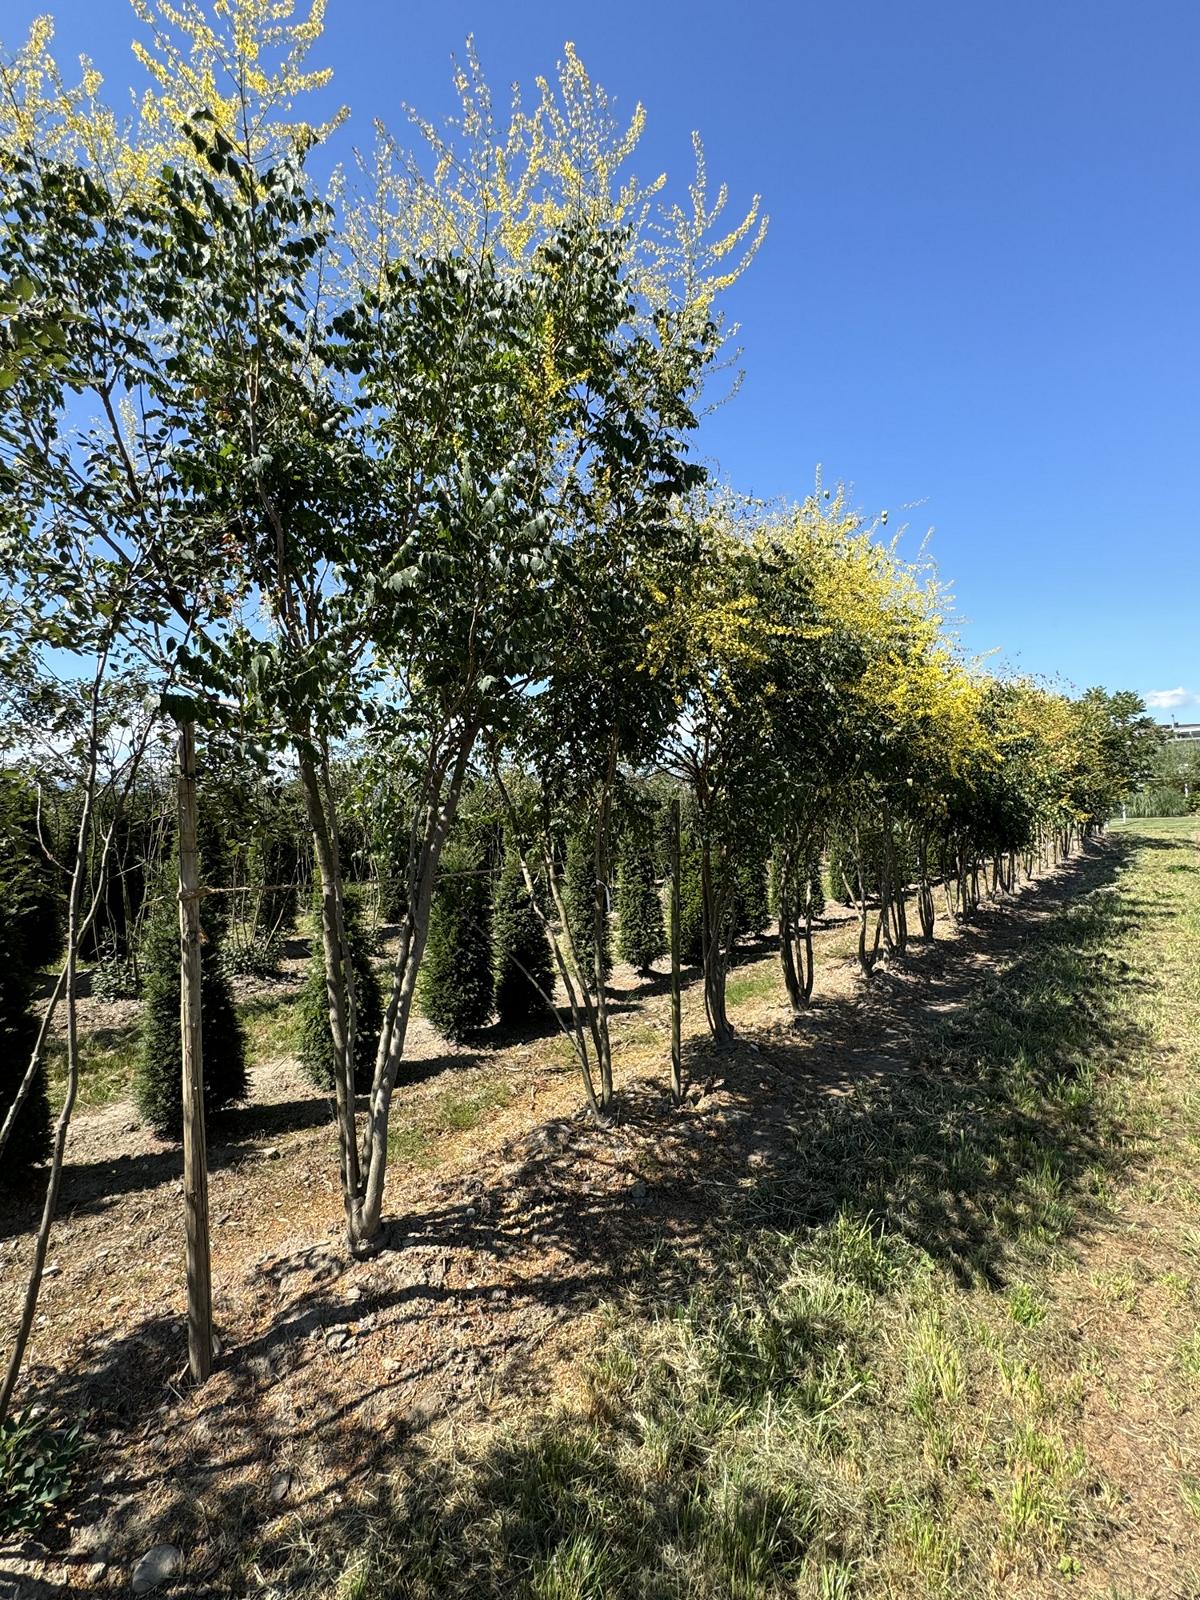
{"x": 1169, "y": 699}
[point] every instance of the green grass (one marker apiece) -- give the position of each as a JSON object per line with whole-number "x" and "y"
{"x": 107, "y": 1057}
{"x": 869, "y": 1384}
{"x": 763, "y": 982}
{"x": 418, "y": 1127}
{"x": 269, "y": 1023}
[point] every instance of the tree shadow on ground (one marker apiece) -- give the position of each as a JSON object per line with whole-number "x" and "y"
{"x": 950, "y": 1106}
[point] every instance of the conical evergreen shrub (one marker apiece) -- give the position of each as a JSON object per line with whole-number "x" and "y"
{"x": 641, "y": 932}
{"x": 30, "y": 899}
{"x": 691, "y": 898}
{"x": 456, "y": 975}
{"x": 578, "y": 892}
{"x": 523, "y": 964}
{"x": 752, "y": 908}
{"x": 314, "y": 1043}
{"x": 158, "y": 1083}
{"x": 29, "y": 1142}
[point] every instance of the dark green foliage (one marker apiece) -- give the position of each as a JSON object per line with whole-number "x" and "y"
{"x": 523, "y": 963}
{"x": 38, "y": 1464}
{"x": 31, "y": 896}
{"x": 391, "y": 863}
{"x": 220, "y": 811}
{"x": 23, "y": 900}
{"x": 641, "y": 932}
{"x": 158, "y": 1087}
{"x": 816, "y": 887}
{"x": 456, "y": 976}
{"x": 751, "y": 910}
{"x": 29, "y": 1142}
{"x": 691, "y": 898}
{"x": 115, "y": 978}
{"x": 314, "y": 1043}
{"x": 579, "y": 892}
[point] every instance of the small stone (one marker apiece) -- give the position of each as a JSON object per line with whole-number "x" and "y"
{"x": 281, "y": 1484}
{"x": 155, "y": 1567}
{"x": 96, "y": 1571}
{"x": 271, "y": 1153}
{"x": 636, "y": 1190}
{"x": 337, "y": 1338}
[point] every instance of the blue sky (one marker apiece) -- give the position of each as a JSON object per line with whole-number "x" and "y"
{"x": 978, "y": 301}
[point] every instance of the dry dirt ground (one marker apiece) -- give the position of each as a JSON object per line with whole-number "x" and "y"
{"x": 513, "y": 1217}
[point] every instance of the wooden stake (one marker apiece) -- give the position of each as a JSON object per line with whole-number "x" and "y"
{"x": 195, "y": 1154}
{"x": 676, "y": 996}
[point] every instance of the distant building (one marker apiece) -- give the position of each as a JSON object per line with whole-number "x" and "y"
{"x": 1180, "y": 730}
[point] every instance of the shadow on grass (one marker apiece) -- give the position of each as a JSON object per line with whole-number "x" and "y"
{"x": 960, "y": 1113}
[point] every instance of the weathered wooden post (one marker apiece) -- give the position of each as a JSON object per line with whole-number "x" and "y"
{"x": 676, "y": 998}
{"x": 195, "y": 1153}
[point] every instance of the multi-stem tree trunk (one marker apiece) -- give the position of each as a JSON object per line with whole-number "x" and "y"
{"x": 868, "y": 949}
{"x": 717, "y": 893}
{"x": 364, "y": 1167}
{"x": 793, "y": 878}
{"x": 926, "y": 911}
{"x": 339, "y": 983}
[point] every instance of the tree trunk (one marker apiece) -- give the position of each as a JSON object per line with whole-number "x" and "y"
{"x": 399, "y": 1008}
{"x": 714, "y": 896}
{"x": 339, "y": 986}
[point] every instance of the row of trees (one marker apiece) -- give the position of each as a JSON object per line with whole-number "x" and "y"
{"x": 398, "y": 478}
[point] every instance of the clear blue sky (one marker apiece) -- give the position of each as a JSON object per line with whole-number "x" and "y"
{"x": 979, "y": 296}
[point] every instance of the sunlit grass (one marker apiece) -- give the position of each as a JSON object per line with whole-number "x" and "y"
{"x": 107, "y": 1058}
{"x": 269, "y": 1025}
{"x": 419, "y": 1128}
